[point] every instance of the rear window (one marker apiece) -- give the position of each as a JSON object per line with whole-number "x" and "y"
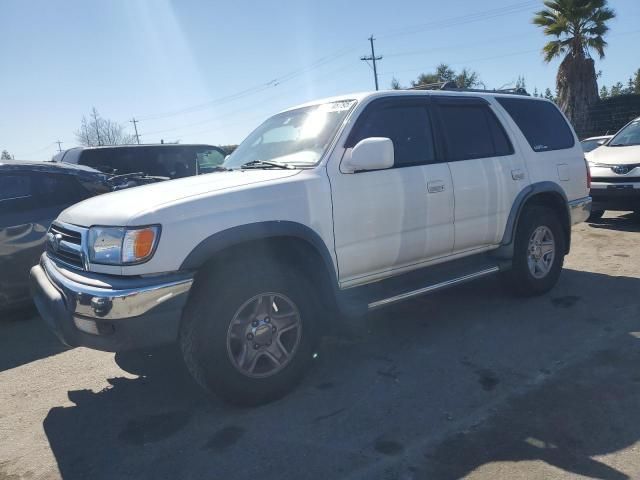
{"x": 473, "y": 131}
{"x": 542, "y": 124}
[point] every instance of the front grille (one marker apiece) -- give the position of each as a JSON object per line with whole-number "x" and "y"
{"x": 66, "y": 247}
{"x": 616, "y": 179}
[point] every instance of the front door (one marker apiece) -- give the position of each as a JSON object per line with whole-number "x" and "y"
{"x": 393, "y": 220}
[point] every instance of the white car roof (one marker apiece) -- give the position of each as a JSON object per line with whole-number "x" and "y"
{"x": 360, "y": 96}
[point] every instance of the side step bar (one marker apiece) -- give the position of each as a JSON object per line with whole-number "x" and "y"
{"x": 432, "y": 288}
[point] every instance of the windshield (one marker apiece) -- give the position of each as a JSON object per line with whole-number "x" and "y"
{"x": 297, "y": 137}
{"x": 629, "y": 135}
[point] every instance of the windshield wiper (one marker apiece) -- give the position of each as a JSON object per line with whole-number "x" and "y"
{"x": 266, "y": 164}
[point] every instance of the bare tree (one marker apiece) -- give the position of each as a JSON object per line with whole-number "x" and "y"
{"x": 5, "y": 155}
{"x": 96, "y": 130}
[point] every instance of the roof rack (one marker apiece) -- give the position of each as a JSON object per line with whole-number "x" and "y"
{"x": 452, "y": 86}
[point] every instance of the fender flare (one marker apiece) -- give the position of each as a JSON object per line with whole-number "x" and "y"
{"x": 224, "y": 239}
{"x": 506, "y": 245}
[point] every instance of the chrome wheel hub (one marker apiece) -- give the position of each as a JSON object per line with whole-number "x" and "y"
{"x": 264, "y": 335}
{"x": 541, "y": 252}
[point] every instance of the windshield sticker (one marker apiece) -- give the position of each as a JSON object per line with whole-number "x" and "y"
{"x": 337, "y": 106}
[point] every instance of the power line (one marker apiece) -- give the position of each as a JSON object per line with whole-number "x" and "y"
{"x": 252, "y": 90}
{"x": 372, "y": 58}
{"x": 235, "y": 111}
{"x": 464, "y": 19}
{"x": 59, "y": 145}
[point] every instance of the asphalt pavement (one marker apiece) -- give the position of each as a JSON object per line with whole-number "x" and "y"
{"x": 470, "y": 382}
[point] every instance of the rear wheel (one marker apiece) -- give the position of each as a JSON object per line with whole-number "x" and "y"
{"x": 538, "y": 253}
{"x": 249, "y": 334}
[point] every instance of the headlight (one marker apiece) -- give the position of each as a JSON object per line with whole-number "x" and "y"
{"x": 121, "y": 245}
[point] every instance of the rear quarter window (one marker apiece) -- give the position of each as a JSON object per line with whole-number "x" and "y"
{"x": 540, "y": 122}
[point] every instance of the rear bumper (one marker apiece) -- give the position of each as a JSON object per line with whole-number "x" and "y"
{"x": 616, "y": 196}
{"x": 104, "y": 313}
{"x": 579, "y": 210}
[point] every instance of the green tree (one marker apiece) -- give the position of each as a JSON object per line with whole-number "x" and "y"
{"x": 636, "y": 82}
{"x": 617, "y": 89}
{"x": 548, "y": 95}
{"x": 520, "y": 83}
{"x": 5, "y": 155}
{"x": 466, "y": 78}
{"x": 535, "y": 92}
{"x": 577, "y": 28}
{"x": 604, "y": 92}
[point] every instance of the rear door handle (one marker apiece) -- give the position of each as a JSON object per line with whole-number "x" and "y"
{"x": 436, "y": 186}
{"x": 517, "y": 174}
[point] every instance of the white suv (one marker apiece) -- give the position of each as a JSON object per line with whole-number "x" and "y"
{"x": 326, "y": 211}
{"x": 615, "y": 170}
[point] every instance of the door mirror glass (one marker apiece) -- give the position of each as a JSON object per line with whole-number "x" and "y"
{"x": 373, "y": 153}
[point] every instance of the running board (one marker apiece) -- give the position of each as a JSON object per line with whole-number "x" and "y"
{"x": 432, "y": 288}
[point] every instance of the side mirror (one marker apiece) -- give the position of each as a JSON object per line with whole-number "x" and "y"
{"x": 374, "y": 153}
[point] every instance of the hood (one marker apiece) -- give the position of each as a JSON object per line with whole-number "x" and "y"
{"x": 121, "y": 207}
{"x": 615, "y": 155}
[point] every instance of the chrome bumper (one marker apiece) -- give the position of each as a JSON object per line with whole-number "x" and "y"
{"x": 580, "y": 210}
{"x": 109, "y": 313}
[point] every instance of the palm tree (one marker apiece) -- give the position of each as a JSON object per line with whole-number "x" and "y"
{"x": 579, "y": 27}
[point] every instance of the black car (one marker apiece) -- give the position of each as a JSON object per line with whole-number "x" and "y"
{"x": 31, "y": 197}
{"x": 166, "y": 161}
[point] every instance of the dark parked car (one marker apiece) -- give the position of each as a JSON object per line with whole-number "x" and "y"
{"x": 166, "y": 161}
{"x": 31, "y": 196}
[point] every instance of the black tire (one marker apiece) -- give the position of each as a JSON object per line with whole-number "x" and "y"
{"x": 519, "y": 279}
{"x": 203, "y": 336}
{"x": 595, "y": 215}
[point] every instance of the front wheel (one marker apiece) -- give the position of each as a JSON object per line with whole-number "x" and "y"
{"x": 538, "y": 253}
{"x": 249, "y": 331}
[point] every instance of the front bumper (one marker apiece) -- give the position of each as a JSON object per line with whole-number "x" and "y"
{"x": 616, "y": 196}
{"x": 580, "y": 210}
{"x": 109, "y": 313}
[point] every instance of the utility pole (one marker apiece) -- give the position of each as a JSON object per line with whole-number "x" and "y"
{"x": 135, "y": 127}
{"x": 59, "y": 147}
{"x": 373, "y": 58}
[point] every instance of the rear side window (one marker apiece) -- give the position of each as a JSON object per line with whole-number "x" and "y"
{"x": 408, "y": 127}
{"x": 541, "y": 123}
{"x": 473, "y": 131}
{"x": 13, "y": 187}
{"x": 59, "y": 189}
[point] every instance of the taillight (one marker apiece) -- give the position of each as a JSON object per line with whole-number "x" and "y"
{"x": 588, "y": 173}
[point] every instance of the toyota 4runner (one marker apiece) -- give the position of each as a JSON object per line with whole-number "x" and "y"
{"x": 324, "y": 212}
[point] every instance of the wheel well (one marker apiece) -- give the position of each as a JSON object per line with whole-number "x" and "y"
{"x": 293, "y": 252}
{"x": 554, "y": 201}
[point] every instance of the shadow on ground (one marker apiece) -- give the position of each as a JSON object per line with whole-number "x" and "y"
{"x": 588, "y": 410}
{"x": 24, "y": 338}
{"x": 627, "y": 222}
{"x": 417, "y": 370}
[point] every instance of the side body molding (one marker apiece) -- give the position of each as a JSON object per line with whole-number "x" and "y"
{"x": 506, "y": 248}
{"x": 217, "y": 242}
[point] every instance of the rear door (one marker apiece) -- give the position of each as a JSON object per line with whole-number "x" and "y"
{"x": 552, "y": 150}
{"x": 487, "y": 174}
{"x": 21, "y": 235}
{"x": 29, "y": 202}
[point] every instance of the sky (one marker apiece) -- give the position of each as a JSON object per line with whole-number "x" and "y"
{"x": 203, "y": 71}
